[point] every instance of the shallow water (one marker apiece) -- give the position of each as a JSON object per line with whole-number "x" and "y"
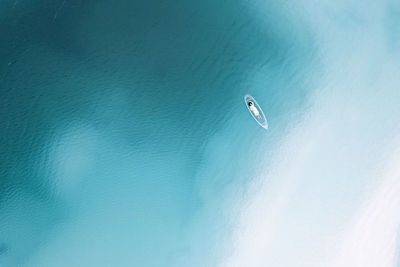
{"x": 125, "y": 140}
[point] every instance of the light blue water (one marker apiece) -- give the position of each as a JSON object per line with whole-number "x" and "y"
{"x": 125, "y": 140}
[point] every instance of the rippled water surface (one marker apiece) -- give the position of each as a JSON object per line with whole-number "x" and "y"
{"x": 125, "y": 141}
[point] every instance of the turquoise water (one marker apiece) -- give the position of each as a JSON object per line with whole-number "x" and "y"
{"x": 125, "y": 140}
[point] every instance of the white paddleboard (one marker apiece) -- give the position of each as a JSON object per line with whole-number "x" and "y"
{"x": 262, "y": 121}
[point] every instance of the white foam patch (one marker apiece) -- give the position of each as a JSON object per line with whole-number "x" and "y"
{"x": 372, "y": 238}
{"x": 301, "y": 212}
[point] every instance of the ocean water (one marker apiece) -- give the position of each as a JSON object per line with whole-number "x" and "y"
{"x": 124, "y": 139}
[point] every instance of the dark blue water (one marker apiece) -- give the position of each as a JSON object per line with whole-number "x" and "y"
{"x": 124, "y": 139}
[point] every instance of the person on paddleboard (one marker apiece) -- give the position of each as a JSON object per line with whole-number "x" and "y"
{"x": 254, "y": 109}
